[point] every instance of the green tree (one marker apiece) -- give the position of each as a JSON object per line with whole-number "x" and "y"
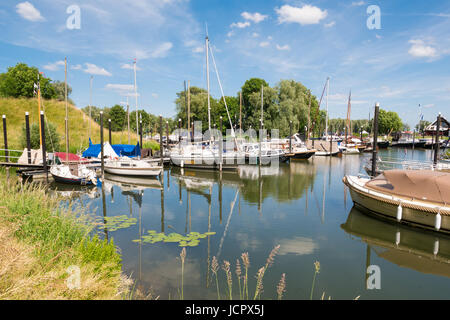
{"x": 249, "y": 88}
{"x": 388, "y": 122}
{"x": 52, "y": 138}
{"x": 118, "y": 117}
{"x": 60, "y": 90}
{"x": 19, "y": 82}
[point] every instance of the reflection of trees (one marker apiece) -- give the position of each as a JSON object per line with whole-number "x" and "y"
{"x": 420, "y": 250}
{"x": 291, "y": 182}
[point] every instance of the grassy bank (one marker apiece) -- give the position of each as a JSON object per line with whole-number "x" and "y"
{"x": 79, "y": 122}
{"x": 41, "y": 243}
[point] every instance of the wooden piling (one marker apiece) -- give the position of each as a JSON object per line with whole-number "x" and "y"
{"x": 220, "y": 146}
{"x": 179, "y": 130}
{"x": 27, "y": 132}
{"x": 140, "y": 134}
{"x": 375, "y": 139}
{"x": 290, "y": 136}
{"x": 5, "y": 139}
{"x": 109, "y": 129}
{"x": 44, "y": 151}
{"x": 436, "y": 148}
{"x": 101, "y": 146}
{"x": 161, "y": 147}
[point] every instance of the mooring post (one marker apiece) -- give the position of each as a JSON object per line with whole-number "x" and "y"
{"x": 27, "y": 131}
{"x": 167, "y": 135}
{"x": 44, "y": 151}
{"x": 5, "y": 139}
{"x": 436, "y": 149}
{"x": 290, "y": 136}
{"x": 140, "y": 134}
{"x": 220, "y": 146}
{"x": 101, "y": 147}
{"x": 179, "y": 130}
{"x": 109, "y": 127}
{"x": 414, "y": 138}
{"x": 375, "y": 139}
{"x": 161, "y": 147}
{"x": 193, "y": 131}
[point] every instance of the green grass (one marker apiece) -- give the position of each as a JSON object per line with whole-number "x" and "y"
{"x": 15, "y": 109}
{"x": 57, "y": 237}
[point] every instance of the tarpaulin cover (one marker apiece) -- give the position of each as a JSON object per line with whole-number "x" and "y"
{"x": 120, "y": 149}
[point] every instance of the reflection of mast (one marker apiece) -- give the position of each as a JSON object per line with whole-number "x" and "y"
{"x": 162, "y": 206}
{"x": 140, "y": 236}
{"x": 367, "y": 263}
{"x": 220, "y": 198}
{"x": 208, "y": 267}
{"x": 104, "y": 211}
{"x": 323, "y": 196}
{"x": 226, "y": 226}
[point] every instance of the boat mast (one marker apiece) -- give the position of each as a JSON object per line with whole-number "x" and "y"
{"x": 39, "y": 106}
{"x": 67, "y": 110}
{"x": 326, "y": 119}
{"x": 207, "y": 77}
{"x": 348, "y": 116}
{"x": 135, "y": 94}
{"x": 90, "y": 104}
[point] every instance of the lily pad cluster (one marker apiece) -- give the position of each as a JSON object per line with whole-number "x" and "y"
{"x": 115, "y": 223}
{"x": 191, "y": 239}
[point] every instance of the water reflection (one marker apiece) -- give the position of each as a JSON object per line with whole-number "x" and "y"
{"x": 299, "y": 205}
{"x": 423, "y": 251}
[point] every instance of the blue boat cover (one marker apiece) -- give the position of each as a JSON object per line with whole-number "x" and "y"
{"x": 127, "y": 150}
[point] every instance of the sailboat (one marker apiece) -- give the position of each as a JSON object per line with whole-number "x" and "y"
{"x": 71, "y": 172}
{"x": 327, "y": 147}
{"x": 209, "y": 154}
{"x": 349, "y": 147}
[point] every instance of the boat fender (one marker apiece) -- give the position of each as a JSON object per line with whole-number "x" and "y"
{"x": 397, "y": 238}
{"x": 436, "y": 247}
{"x": 437, "y": 221}
{"x": 399, "y": 212}
{"x": 182, "y": 164}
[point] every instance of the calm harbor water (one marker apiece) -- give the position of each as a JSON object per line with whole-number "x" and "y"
{"x": 303, "y": 206}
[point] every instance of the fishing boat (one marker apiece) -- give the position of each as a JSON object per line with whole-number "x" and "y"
{"x": 77, "y": 174}
{"x": 416, "y": 197}
{"x": 298, "y": 150}
{"x": 131, "y": 167}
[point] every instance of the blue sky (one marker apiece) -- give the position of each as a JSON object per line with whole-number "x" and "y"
{"x": 403, "y": 64}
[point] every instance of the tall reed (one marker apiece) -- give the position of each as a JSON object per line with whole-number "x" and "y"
{"x": 246, "y": 262}
{"x": 316, "y": 271}
{"x": 226, "y": 268}
{"x": 214, "y": 269}
{"x": 183, "y": 257}
{"x": 238, "y": 275}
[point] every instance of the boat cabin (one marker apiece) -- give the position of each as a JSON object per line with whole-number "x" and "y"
{"x": 443, "y": 128}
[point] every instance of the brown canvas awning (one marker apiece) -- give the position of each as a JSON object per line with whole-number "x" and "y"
{"x": 424, "y": 185}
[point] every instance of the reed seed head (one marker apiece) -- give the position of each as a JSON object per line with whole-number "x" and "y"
{"x": 245, "y": 260}
{"x": 183, "y": 254}
{"x": 281, "y": 288}
{"x": 259, "y": 281}
{"x": 272, "y": 255}
{"x": 226, "y": 268}
{"x": 214, "y": 265}
{"x": 317, "y": 266}
{"x": 238, "y": 268}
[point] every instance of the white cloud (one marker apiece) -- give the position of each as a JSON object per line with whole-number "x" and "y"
{"x": 198, "y": 49}
{"x": 358, "y": 3}
{"x": 230, "y": 34}
{"x": 162, "y": 50}
{"x": 283, "y": 48}
{"x": 76, "y": 67}
{"x": 155, "y": 95}
{"x": 305, "y": 15}
{"x": 297, "y": 246}
{"x": 331, "y": 24}
{"x": 421, "y": 50}
{"x": 264, "y": 44}
{"x": 120, "y": 87}
{"x": 27, "y": 11}
{"x": 255, "y": 17}
{"x": 240, "y": 25}
{"x": 95, "y": 70}
{"x": 54, "y": 66}
{"x": 129, "y": 66}
{"x": 255, "y": 35}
